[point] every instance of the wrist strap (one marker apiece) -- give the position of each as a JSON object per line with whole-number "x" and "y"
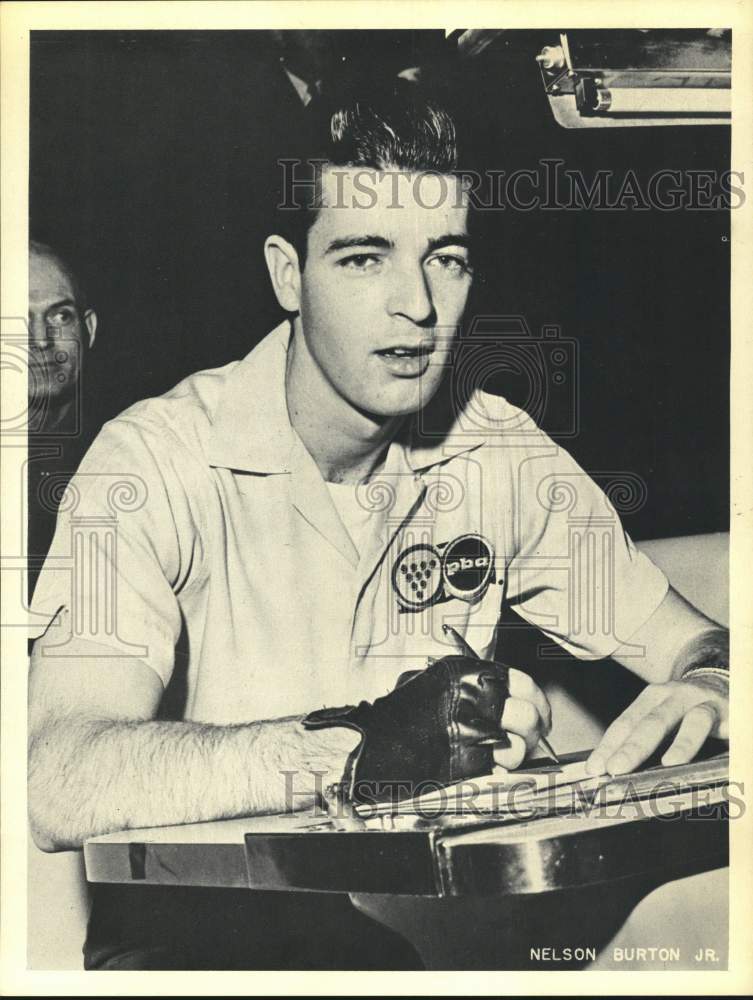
{"x": 720, "y": 672}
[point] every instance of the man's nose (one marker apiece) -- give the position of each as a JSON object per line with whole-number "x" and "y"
{"x": 40, "y": 333}
{"x": 410, "y": 295}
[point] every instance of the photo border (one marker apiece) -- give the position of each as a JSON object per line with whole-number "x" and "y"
{"x": 16, "y": 21}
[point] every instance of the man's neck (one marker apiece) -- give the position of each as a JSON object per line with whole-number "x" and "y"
{"x": 58, "y": 418}
{"x": 348, "y": 446}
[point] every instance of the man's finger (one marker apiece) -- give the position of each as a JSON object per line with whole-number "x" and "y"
{"x": 692, "y": 734}
{"x": 646, "y": 737}
{"x": 512, "y": 756}
{"x": 522, "y": 718}
{"x": 613, "y": 738}
{"x": 523, "y": 686}
{"x": 619, "y": 731}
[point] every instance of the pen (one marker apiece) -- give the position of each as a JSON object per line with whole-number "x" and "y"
{"x": 468, "y": 650}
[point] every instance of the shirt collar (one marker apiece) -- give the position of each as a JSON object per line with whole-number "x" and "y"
{"x": 438, "y": 431}
{"x": 251, "y": 429}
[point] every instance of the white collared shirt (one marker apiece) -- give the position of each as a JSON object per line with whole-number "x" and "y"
{"x": 355, "y": 516}
{"x": 199, "y": 521}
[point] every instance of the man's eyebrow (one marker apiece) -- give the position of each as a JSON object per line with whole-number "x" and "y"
{"x": 348, "y": 242}
{"x": 62, "y": 302}
{"x": 359, "y": 241}
{"x": 449, "y": 239}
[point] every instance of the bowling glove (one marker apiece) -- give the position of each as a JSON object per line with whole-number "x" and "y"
{"x": 437, "y": 727}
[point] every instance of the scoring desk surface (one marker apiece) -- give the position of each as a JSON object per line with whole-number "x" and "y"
{"x": 642, "y": 822}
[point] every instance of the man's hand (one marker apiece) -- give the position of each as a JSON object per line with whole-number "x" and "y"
{"x": 527, "y": 716}
{"x": 697, "y": 707}
{"x": 452, "y": 721}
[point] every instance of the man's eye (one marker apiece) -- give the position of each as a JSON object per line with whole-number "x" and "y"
{"x": 61, "y": 317}
{"x": 450, "y": 263}
{"x": 360, "y": 261}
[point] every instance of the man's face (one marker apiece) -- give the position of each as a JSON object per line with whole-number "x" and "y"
{"x": 384, "y": 287}
{"x": 58, "y": 333}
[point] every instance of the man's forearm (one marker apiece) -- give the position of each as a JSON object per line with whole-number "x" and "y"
{"x": 676, "y": 637}
{"x": 88, "y": 777}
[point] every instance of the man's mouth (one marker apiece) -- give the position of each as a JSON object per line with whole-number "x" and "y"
{"x": 407, "y": 361}
{"x": 407, "y": 352}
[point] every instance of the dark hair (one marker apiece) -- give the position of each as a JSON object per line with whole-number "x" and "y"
{"x": 394, "y": 127}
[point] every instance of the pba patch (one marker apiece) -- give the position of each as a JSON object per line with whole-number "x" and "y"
{"x": 424, "y": 574}
{"x": 467, "y": 566}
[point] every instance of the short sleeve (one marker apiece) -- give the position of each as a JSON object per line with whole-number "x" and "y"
{"x": 115, "y": 559}
{"x": 574, "y": 572}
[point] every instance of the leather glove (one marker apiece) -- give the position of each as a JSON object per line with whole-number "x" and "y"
{"x": 437, "y": 727}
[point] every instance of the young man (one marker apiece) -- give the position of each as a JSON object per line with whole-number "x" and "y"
{"x": 306, "y": 521}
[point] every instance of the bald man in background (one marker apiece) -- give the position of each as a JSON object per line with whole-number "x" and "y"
{"x": 62, "y": 330}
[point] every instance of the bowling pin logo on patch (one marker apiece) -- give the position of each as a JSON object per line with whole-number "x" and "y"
{"x": 417, "y": 577}
{"x": 424, "y": 575}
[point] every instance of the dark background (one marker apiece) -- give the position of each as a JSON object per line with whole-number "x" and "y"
{"x": 152, "y": 157}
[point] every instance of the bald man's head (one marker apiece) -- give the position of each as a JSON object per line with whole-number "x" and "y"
{"x": 61, "y": 326}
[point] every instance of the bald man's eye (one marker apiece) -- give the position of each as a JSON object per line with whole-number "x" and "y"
{"x": 61, "y": 317}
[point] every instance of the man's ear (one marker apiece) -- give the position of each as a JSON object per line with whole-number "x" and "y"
{"x": 284, "y": 271}
{"x": 90, "y": 321}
